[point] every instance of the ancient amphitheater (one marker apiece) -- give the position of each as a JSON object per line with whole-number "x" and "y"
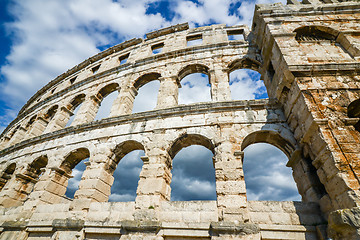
{"x": 308, "y": 55}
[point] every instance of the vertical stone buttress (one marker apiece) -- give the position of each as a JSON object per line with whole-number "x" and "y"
{"x": 155, "y": 177}
{"x": 230, "y": 183}
{"x": 87, "y": 111}
{"x": 168, "y": 92}
{"x": 315, "y": 81}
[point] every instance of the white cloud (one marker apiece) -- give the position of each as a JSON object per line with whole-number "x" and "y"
{"x": 194, "y": 88}
{"x": 53, "y": 36}
{"x": 266, "y": 174}
{"x": 205, "y": 12}
{"x": 147, "y": 97}
{"x": 246, "y": 84}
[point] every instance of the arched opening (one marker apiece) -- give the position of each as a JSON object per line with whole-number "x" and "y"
{"x": 195, "y": 84}
{"x": 74, "y": 107}
{"x": 147, "y": 87}
{"x": 320, "y": 44}
{"x": 51, "y": 113}
{"x": 126, "y": 166}
{"x": 73, "y": 167}
{"x": 244, "y": 80}
{"x": 34, "y": 170}
{"x": 106, "y": 96}
{"x": 7, "y": 175}
{"x": 266, "y": 175}
{"x": 193, "y": 173}
{"x": 245, "y": 84}
{"x": 30, "y": 123}
{"x": 353, "y": 111}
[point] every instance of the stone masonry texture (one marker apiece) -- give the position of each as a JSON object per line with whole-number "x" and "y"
{"x": 308, "y": 55}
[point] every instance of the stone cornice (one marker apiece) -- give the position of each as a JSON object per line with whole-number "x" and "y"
{"x": 144, "y": 116}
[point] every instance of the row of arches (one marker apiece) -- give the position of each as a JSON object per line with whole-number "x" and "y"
{"x": 191, "y": 161}
{"x": 193, "y": 84}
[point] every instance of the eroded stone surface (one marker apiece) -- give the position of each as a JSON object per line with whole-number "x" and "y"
{"x": 308, "y": 55}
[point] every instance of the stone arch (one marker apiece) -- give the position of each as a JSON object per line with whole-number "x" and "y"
{"x": 30, "y": 122}
{"x": 315, "y": 32}
{"x": 193, "y": 68}
{"x": 71, "y": 109}
{"x": 123, "y": 166}
{"x": 184, "y": 178}
{"x": 146, "y": 83}
{"x": 50, "y": 113}
{"x": 244, "y": 63}
{"x": 34, "y": 169}
{"x": 243, "y": 74}
{"x": 198, "y": 87}
{"x": 73, "y": 158}
{"x": 271, "y": 137}
{"x": 121, "y": 150}
{"x": 76, "y": 101}
{"x": 6, "y": 175}
{"x": 146, "y": 78}
{"x": 106, "y": 90}
{"x": 322, "y": 44}
{"x": 304, "y": 173}
{"x": 186, "y": 140}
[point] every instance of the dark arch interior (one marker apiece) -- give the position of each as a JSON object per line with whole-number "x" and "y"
{"x": 7, "y": 174}
{"x": 107, "y": 90}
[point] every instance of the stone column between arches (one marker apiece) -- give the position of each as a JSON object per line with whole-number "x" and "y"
{"x": 38, "y": 128}
{"x": 96, "y": 181}
{"x": 87, "y": 111}
{"x": 123, "y": 104}
{"x": 220, "y": 88}
{"x": 155, "y": 178}
{"x": 230, "y": 183}
{"x": 168, "y": 92}
{"x": 50, "y": 188}
{"x": 59, "y": 121}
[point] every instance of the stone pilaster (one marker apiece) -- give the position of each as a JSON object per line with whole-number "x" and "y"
{"x": 50, "y": 188}
{"x": 155, "y": 178}
{"x": 59, "y": 121}
{"x": 38, "y": 128}
{"x": 16, "y": 192}
{"x": 123, "y": 104}
{"x": 87, "y": 111}
{"x": 168, "y": 92}
{"x": 230, "y": 184}
{"x": 220, "y": 88}
{"x": 18, "y": 136}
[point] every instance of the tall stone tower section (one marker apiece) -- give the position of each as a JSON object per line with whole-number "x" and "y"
{"x": 311, "y": 65}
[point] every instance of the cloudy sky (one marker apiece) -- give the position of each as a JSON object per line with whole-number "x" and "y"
{"x": 41, "y": 39}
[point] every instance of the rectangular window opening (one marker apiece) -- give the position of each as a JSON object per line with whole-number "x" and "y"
{"x": 157, "y": 48}
{"x": 72, "y": 80}
{"x": 194, "y": 40}
{"x": 95, "y": 69}
{"x": 236, "y": 34}
{"x": 123, "y": 59}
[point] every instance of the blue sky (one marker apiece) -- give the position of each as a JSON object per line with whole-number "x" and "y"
{"x": 41, "y": 39}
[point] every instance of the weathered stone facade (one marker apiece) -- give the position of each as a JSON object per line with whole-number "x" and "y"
{"x": 309, "y": 57}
